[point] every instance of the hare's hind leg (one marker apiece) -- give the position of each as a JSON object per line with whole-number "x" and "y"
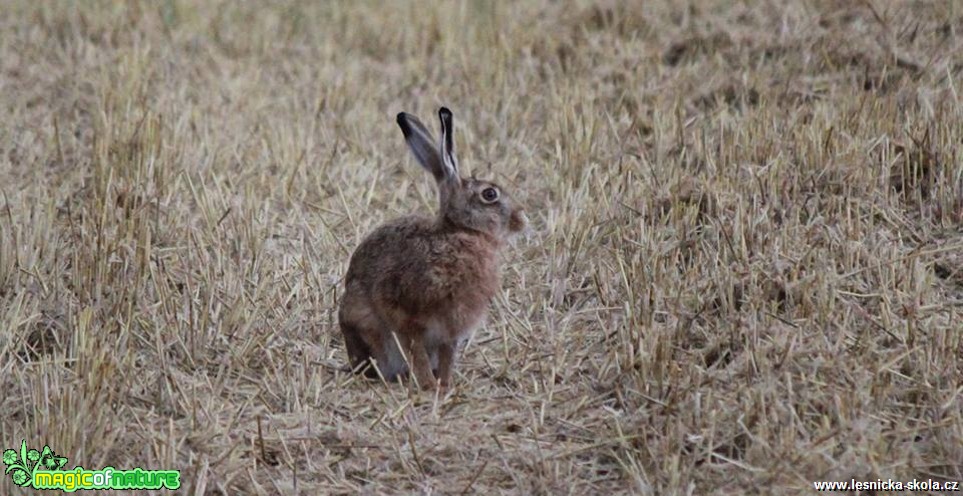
{"x": 418, "y": 359}
{"x": 446, "y": 363}
{"x": 373, "y": 350}
{"x": 385, "y": 354}
{"x": 369, "y": 342}
{"x": 359, "y": 353}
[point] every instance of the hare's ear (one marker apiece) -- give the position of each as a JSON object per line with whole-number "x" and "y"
{"x": 448, "y": 143}
{"x": 422, "y": 144}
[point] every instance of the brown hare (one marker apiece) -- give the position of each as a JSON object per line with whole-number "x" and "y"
{"x": 426, "y": 283}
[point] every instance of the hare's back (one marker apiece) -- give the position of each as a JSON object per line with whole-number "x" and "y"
{"x": 396, "y": 243}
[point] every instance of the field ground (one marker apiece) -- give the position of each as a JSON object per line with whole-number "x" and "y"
{"x": 746, "y": 271}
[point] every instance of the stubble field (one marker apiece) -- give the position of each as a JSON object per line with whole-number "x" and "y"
{"x": 745, "y": 272}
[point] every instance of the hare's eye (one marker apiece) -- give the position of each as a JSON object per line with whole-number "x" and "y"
{"x": 489, "y": 195}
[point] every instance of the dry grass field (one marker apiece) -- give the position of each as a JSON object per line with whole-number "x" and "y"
{"x": 745, "y": 272}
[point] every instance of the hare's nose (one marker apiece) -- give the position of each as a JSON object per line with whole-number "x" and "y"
{"x": 518, "y": 221}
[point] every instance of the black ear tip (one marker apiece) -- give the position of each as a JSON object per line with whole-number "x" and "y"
{"x": 444, "y": 113}
{"x": 402, "y": 120}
